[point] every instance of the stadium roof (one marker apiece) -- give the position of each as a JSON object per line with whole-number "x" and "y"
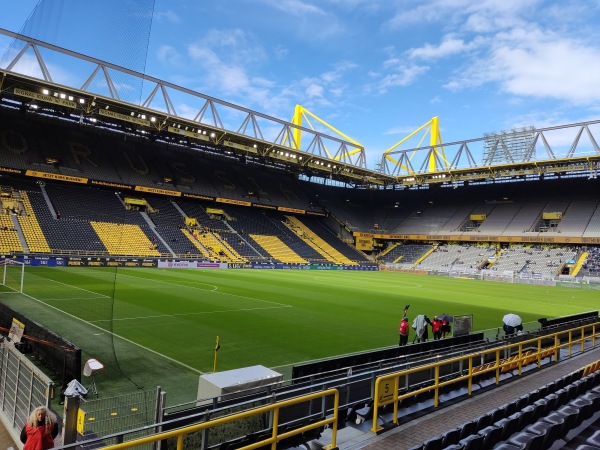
{"x": 552, "y": 151}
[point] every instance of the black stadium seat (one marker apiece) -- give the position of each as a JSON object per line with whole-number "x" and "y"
{"x": 550, "y": 431}
{"x": 527, "y": 441}
{"x": 585, "y": 407}
{"x": 473, "y": 442}
{"x": 594, "y": 439}
{"x": 508, "y": 426}
{"x": 491, "y": 436}
{"x": 451, "y": 437}
{"x": 433, "y": 444}
{"x": 566, "y": 416}
{"x": 467, "y": 429}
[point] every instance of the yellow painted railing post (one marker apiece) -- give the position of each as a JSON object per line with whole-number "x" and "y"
{"x": 275, "y": 427}
{"x": 436, "y": 382}
{"x": 396, "y": 389}
{"x": 539, "y": 355}
{"x": 582, "y": 339}
{"x": 570, "y": 342}
{"x": 556, "y": 347}
{"x": 520, "y": 360}
{"x": 470, "y": 381}
{"x": 498, "y": 366}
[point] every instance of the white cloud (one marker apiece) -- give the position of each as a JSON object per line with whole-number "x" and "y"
{"x": 400, "y": 130}
{"x": 314, "y": 90}
{"x": 167, "y": 54}
{"x": 224, "y": 56}
{"x": 281, "y": 52}
{"x": 169, "y": 16}
{"x": 404, "y": 75}
{"x": 536, "y": 63}
{"x": 448, "y": 47}
{"x": 486, "y": 15}
{"x": 295, "y": 7}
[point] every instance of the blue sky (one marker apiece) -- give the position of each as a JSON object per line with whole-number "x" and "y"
{"x": 378, "y": 69}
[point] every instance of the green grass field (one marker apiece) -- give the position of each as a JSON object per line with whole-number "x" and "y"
{"x": 158, "y": 326}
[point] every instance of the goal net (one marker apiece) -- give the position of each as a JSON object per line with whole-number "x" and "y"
{"x": 13, "y": 273}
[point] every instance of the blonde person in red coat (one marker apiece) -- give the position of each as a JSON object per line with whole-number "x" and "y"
{"x": 40, "y": 430}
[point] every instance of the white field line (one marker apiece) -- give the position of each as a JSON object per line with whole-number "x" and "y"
{"x": 70, "y": 298}
{"x": 192, "y": 314}
{"x": 118, "y": 336}
{"x": 282, "y": 305}
{"x": 76, "y": 287}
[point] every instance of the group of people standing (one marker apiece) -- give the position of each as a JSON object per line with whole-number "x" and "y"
{"x": 440, "y": 328}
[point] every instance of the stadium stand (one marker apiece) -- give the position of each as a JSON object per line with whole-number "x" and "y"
{"x": 317, "y": 241}
{"x": 404, "y": 253}
{"x": 591, "y": 266}
{"x": 235, "y": 201}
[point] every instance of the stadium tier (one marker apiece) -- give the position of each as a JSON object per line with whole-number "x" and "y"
{"x": 189, "y": 183}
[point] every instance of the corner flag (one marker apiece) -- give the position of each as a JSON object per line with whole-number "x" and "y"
{"x": 217, "y": 347}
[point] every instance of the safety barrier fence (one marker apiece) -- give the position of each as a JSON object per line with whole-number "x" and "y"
{"x": 498, "y": 360}
{"x": 23, "y": 387}
{"x": 271, "y": 439}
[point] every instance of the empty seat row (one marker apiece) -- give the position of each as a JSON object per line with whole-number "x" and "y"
{"x": 533, "y": 421}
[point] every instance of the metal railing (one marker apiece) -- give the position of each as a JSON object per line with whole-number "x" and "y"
{"x": 271, "y": 440}
{"x": 387, "y": 387}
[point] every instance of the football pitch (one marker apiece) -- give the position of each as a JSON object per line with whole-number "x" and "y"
{"x": 155, "y": 327}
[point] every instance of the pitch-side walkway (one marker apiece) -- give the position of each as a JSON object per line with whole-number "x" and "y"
{"x": 6, "y": 440}
{"x": 438, "y": 422}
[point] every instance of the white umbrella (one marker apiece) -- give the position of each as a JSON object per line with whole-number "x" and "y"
{"x": 512, "y": 320}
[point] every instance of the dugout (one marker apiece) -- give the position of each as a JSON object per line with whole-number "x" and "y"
{"x": 58, "y": 354}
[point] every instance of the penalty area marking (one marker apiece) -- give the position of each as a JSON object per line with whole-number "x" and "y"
{"x": 283, "y": 305}
{"x": 79, "y": 288}
{"x": 192, "y": 314}
{"x": 393, "y": 284}
{"x": 116, "y": 335}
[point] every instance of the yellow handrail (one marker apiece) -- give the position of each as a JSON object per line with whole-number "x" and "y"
{"x": 387, "y": 386}
{"x": 182, "y": 432}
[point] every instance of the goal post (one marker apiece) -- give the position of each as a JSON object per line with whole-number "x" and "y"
{"x": 13, "y": 275}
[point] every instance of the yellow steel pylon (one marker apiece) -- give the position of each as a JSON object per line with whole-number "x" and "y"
{"x": 435, "y": 142}
{"x": 302, "y": 114}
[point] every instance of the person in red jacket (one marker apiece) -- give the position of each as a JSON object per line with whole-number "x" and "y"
{"x": 404, "y": 329}
{"x": 40, "y": 430}
{"x": 436, "y": 328}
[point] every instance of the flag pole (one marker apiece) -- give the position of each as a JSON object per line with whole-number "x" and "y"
{"x": 217, "y": 347}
